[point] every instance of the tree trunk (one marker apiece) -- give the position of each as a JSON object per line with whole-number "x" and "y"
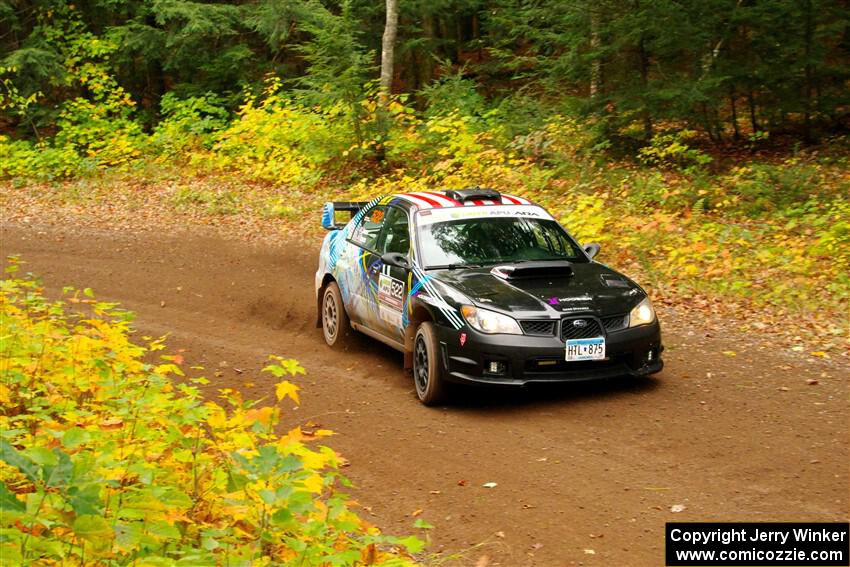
{"x": 643, "y": 58}
{"x": 388, "y": 50}
{"x": 596, "y": 63}
{"x": 733, "y": 104}
{"x": 424, "y": 59}
{"x": 808, "y": 72}
{"x": 751, "y": 102}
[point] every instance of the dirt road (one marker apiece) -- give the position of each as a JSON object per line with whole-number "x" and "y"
{"x": 586, "y": 475}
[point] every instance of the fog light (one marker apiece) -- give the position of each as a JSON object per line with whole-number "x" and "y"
{"x": 496, "y": 367}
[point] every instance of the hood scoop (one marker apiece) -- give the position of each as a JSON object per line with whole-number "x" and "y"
{"x": 610, "y": 280}
{"x": 529, "y": 270}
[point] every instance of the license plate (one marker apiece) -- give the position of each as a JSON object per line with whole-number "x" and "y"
{"x": 585, "y": 349}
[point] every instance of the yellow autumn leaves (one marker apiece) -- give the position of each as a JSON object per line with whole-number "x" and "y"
{"x": 106, "y": 460}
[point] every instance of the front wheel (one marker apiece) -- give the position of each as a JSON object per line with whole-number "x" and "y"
{"x": 430, "y": 387}
{"x": 335, "y": 325}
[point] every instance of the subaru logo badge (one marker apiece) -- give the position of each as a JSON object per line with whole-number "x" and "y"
{"x": 580, "y": 323}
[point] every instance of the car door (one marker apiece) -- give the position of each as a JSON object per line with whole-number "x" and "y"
{"x": 392, "y": 281}
{"x": 363, "y": 266}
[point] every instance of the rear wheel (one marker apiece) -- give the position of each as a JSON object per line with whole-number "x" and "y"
{"x": 335, "y": 325}
{"x": 430, "y": 386}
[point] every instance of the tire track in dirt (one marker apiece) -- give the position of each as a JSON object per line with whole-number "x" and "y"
{"x": 590, "y": 467}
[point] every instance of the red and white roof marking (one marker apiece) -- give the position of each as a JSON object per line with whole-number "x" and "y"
{"x": 436, "y": 199}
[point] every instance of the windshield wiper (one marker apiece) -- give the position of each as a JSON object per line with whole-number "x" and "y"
{"x": 453, "y": 266}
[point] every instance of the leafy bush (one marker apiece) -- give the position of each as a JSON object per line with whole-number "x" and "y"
{"x": 765, "y": 187}
{"x": 106, "y": 460}
{"x": 276, "y": 139}
{"x": 671, "y": 150}
{"x": 92, "y": 131}
{"x": 188, "y": 123}
{"x": 453, "y": 94}
{"x": 20, "y": 158}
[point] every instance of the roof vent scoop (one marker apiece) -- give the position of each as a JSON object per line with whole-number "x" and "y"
{"x": 474, "y": 194}
{"x": 528, "y": 270}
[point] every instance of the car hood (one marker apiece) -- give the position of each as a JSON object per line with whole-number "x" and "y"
{"x": 590, "y": 288}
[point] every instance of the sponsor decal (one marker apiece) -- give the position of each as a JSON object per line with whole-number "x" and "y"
{"x": 447, "y": 310}
{"x": 576, "y": 298}
{"x": 456, "y": 213}
{"x": 390, "y": 299}
{"x": 492, "y": 213}
{"x": 338, "y": 244}
{"x": 557, "y": 301}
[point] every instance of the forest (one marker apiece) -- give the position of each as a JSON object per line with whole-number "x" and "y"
{"x": 715, "y": 131}
{"x": 706, "y": 142}
{"x": 730, "y": 69}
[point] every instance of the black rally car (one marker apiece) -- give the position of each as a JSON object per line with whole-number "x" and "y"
{"x": 476, "y": 286}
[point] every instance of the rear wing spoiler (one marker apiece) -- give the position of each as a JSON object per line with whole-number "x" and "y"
{"x": 330, "y": 209}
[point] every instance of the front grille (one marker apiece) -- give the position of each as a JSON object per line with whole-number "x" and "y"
{"x": 540, "y": 328}
{"x": 560, "y": 366}
{"x": 615, "y": 322}
{"x": 570, "y": 331}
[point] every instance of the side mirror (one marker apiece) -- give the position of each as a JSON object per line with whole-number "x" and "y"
{"x": 396, "y": 259}
{"x": 592, "y": 249}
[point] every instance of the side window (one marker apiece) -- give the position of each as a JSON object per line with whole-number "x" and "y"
{"x": 367, "y": 231}
{"x": 550, "y": 238}
{"x": 396, "y": 234}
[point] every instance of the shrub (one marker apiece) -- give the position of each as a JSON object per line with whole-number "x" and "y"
{"x": 188, "y": 123}
{"x": 20, "y": 158}
{"x": 106, "y": 460}
{"x": 671, "y": 150}
{"x": 276, "y": 139}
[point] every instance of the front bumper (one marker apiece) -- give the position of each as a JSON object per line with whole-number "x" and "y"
{"x": 629, "y": 352}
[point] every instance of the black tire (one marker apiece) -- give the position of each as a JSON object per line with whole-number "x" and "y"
{"x": 335, "y": 325}
{"x": 427, "y": 377}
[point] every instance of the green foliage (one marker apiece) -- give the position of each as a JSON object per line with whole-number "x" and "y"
{"x": 188, "y": 123}
{"x": 672, "y": 150}
{"x": 15, "y": 103}
{"x": 23, "y": 159}
{"x": 104, "y": 459}
{"x": 277, "y": 139}
{"x": 453, "y": 94}
{"x": 339, "y": 67}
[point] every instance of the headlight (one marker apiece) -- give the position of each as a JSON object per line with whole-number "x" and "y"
{"x": 642, "y": 314}
{"x": 490, "y": 322}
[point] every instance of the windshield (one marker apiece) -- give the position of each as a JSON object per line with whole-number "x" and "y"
{"x": 483, "y": 241}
